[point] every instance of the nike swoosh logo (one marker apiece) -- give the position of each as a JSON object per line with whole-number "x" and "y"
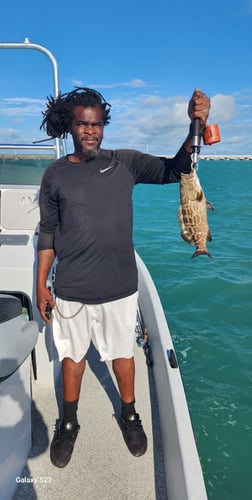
{"x": 103, "y": 170}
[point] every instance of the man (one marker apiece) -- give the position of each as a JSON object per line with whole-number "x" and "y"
{"x": 86, "y": 222}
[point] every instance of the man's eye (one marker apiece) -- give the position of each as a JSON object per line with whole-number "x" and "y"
{"x": 86, "y": 124}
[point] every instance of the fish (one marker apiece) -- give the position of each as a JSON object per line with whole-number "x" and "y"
{"x": 192, "y": 214}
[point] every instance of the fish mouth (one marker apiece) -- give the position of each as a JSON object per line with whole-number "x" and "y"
{"x": 190, "y": 175}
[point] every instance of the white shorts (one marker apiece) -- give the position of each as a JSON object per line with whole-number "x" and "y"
{"x": 112, "y": 324}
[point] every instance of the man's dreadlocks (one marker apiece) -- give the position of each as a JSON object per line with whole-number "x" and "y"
{"x": 58, "y": 115}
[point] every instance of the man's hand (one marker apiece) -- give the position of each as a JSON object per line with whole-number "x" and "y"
{"x": 198, "y": 107}
{"x": 45, "y": 303}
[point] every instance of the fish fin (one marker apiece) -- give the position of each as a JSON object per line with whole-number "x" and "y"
{"x": 209, "y": 236}
{"x": 209, "y": 205}
{"x": 187, "y": 238}
{"x": 200, "y": 195}
{"x": 202, "y": 252}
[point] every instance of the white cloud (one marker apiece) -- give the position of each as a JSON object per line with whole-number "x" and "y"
{"x": 23, "y": 100}
{"x": 145, "y": 120}
{"x": 159, "y": 125}
{"x": 150, "y": 122}
{"x": 135, "y": 83}
{"x": 21, "y": 107}
{"x": 236, "y": 139}
{"x": 77, "y": 83}
{"x": 11, "y": 135}
{"x": 223, "y": 108}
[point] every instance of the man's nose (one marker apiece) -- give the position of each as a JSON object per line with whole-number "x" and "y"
{"x": 89, "y": 128}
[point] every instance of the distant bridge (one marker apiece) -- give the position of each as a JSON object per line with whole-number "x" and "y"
{"x": 225, "y": 157}
{"x": 200, "y": 157}
{"x": 218, "y": 157}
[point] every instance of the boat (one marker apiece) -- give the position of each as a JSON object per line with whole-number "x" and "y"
{"x": 30, "y": 384}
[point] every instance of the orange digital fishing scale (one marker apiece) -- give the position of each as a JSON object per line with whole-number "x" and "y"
{"x": 211, "y": 135}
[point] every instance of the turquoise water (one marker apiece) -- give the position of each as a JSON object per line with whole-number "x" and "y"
{"x": 15, "y": 169}
{"x": 208, "y": 308}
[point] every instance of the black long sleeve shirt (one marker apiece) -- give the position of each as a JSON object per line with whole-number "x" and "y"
{"x": 86, "y": 216}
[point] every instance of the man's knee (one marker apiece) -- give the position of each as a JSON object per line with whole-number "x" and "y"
{"x": 72, "y": 367}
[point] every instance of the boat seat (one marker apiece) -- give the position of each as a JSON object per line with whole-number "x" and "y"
{"x": 18, "y": 335}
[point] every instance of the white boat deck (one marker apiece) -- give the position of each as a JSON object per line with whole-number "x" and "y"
{"x": 101, "y": 467}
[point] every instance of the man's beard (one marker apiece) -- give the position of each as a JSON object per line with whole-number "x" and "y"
{"x": 89, "y": 153}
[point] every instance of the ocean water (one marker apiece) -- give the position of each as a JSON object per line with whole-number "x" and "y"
{"x": 207, "y": 303}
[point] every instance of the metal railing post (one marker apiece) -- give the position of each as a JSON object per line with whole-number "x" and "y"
{"x": 26, "y": 44}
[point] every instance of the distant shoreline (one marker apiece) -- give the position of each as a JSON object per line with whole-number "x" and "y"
{"x": 218, "y": 157}
{"x": 49, "y": 156}
{"x": 225, "y": 157}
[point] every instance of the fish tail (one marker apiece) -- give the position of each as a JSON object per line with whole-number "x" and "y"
{"x": 202, "y": 252}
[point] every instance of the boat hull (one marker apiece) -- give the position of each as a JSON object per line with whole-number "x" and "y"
{"x": 184, "y": 478}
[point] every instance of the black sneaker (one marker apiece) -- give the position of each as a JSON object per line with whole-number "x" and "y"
{"x": 63, "y": 443}
{"x": 134, "y": 435}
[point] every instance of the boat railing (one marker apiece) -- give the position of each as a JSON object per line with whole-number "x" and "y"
{"x": 29, "y": 147}
{"x": 57, "y": 147}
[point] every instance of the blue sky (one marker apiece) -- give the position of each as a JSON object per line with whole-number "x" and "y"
{"x": 146, "y": 58}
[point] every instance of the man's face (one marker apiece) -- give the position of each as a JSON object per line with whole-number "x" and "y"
{"x": 87, "y": 130}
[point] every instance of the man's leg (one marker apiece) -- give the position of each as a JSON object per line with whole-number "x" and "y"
{"x": 72, "y": 376}
{"x": 131, "y": 425}
{"x": 64, "y": 439}
{"x": 124, "y": 370}
{"x": 72, "y": 373}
